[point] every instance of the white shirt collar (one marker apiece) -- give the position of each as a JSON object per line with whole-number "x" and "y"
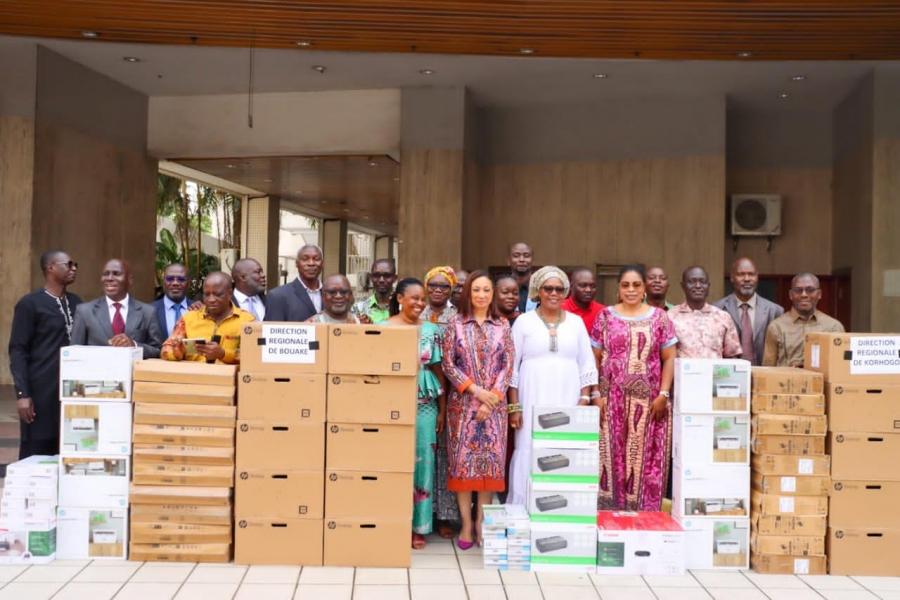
{"x": 751, "y": 301}
{"x": 123, "y": 302}
{"x": 316, "y": 291}
{"x": 169, "y": 303}
{"x": 240, "y": 296}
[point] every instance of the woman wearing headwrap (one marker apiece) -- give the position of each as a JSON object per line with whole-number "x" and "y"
{"x": 554, "y": 365}
{"x": 439, "y": 283}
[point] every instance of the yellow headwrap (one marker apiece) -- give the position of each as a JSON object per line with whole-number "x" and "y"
{"x": 447, "y": 272}
{"x": 542, "y": 275}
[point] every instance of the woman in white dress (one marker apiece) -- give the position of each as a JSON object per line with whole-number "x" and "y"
{"x": 554, "y": 366}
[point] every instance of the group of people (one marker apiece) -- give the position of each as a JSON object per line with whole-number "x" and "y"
{"x": 491, "y": 349}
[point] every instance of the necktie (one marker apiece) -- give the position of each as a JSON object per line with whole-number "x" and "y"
{"x": 177, "y": 309}
{"x": 251, "y": 304}
{"x": 118, "y": 323}
{"x": 747, "y": 334}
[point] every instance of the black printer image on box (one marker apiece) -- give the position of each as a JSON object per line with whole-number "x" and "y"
{"x": 549, "y": 544}
{"x": 551, "y": 503}
{"x": 551, "y": 463}
{"x": 551, "y": 420}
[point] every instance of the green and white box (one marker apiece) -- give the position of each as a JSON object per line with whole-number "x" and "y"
{"x": 27, "y": 542}
{"x": 564, "y": 547}
{"x": 565, "y": 427}
{"x": 92, "y": 534}
{"x": 34, "y": 466}
{"x": 561, "y": 503}
{"x": 578, "y": 468}
{"x": 95, "y": 428}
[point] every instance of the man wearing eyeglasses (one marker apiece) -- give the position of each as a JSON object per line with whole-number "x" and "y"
{"x": 174, "y": 302}
{"x": 337, "y": 296}
{"x": 374, "y": 309}
{"x": 785, "y": 335}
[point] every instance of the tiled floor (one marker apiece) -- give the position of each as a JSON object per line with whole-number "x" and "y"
{"x": 440, "y": 572}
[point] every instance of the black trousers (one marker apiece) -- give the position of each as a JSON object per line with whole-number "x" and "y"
{"x": 38, "y": 448}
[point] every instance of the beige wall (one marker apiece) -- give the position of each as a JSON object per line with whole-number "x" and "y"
{"x": 885, "y": 229}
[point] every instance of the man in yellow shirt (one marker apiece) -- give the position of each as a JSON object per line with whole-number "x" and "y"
{"x": 219, "y": 325}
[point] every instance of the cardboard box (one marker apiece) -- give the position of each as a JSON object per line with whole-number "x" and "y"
{"x": 641, "y": 543}
{"x": 770, "y": 424}
{"x": 35, "y": 466}
{"x": 512, "y": 518}
{"x": 791, "y": 464}
{"x": 772, "y": 504}
{"x": 788, "y": 404}
{"x": 789, "y": 565}
{"x": 280, "y": 445}
{"x": 721, "y": 544}
{"x": 791, "y": 485}
{"x": 368, "y": 543}
{"x": 185, "y": 415}
{"x": 91, "y": 533}
{"x": 199, "y": 553}
{"x": 787, "y": 545}
{"x": 288, "y": 494}
{"x": 145, "y": 454}
{"x": 90, "y": 428}
{"x": 181, "y": 513}
{"x": 189, "y": 475}
{"x": 373, "y": 399}
{"x": 370, "y": 447}
{"x": 863, "y": 407}
{"x": 27, "y": 543}
{"x": 177, "y": 435}
{"x": 804, "y": 445}
{"x": 267, "y": 541}
{"x": 99, "y": 482}
{"x": 705, "y": 386}
{"x": 869, "y": 551}
{"x": 854, "y": 357}
{"x": 188, "y": 372}
{"x": 165, "y": 495}
{"x": 97, "y": 373}
{"x": 180, "y": 533}
{"x": 564, "y": 547}
{"x": 373, "y": 350}
{"x": 788, "y": 525}
{"x": 864, "y": 456}
{"x": 557, "y": 465}
{"x": 560, "y": 503}
{"x": 281, "y": 397}
{"x": 714, "y": 491}
{"x": 711, "y": 439}
{"x": 786, "y": 380}
{"x": 30, "y": 493}
{"x": 565, "y": 427}
{"x": 182, "y": 393}
{"x": 284, "y": 348}
{"x": 860, "y": 504}
{"x": 387, "y": 495}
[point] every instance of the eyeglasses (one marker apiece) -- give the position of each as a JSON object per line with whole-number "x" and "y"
{"x": 549, "y": 289}
{"x": 635, "y": 285}
{"x": 381, "y": 275}
{"x": 174, "y": 278}
{"x": 434, "y": 287}
{"x": 71, "y": 264}
{"x": 336, "y": 293}
{"x": 809, "y": 290}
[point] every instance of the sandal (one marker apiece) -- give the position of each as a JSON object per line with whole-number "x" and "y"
{"x": 446, "y": 532}
{"x": 418, "y": 541}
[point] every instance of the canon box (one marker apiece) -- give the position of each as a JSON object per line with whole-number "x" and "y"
{"x": 642, "y": 543}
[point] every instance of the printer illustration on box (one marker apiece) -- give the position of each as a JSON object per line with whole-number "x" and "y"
{"x": 549, "y": 544}
{"x": 551, "y": 420}
{"x": 552, "y": 463}
{"x": 551, "y": 503}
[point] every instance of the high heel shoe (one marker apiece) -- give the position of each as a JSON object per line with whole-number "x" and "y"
{"x": 464, "y": 545}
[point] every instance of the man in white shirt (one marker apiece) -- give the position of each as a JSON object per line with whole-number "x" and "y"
{"x": 174, "y": 303}
{"x": 249, "y": 285}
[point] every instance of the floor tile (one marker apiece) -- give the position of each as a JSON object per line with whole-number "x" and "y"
{"x": 481, "y": 577}
{"x": 888, "y": 595}
{"x": 610, "y": 592}
{"x": 382, "y": 592}
{"x": 781, "y": 582}
{"x": 431, "y": 548}
{"x": 830, "y": 582}
{"x": 265, "y": 591}
{"x": 565, "y": 579}
{"x": 791, "y": 594}
{"x": 488, "y": 592}
{"x": 518, "y": 578}
{"x": 48, "y": 574}
{"x": 887, "y": 584}
{"x": 116, "y": 563}
{"x": 29, "y": 591}
{"x": 722, "y": 579}
{"x": 435, "y": 561}
{"x": 470, "y": 561}
{"x": 267, "y": 574}
{"x": 370, "y": 576}
{"x": 119, "y": 574}
{"x": 329, "y": 575}
{"x": 162, "y": 573}
{"x": 10, "y": 572}
{"x": 524, "y": 592}
{"x": 75, "y": 563}
{"x": 148, "y": 591}
{"x": 751, "y": 593}
{"x": 431, "y": 592}
{"x": 323, "y": 592}
{"x": 632, "y": 581}
{"x": 206, "y": 591}
{"x": 435, "y": 577}
{"x": 680, "y": 581}
{"x": 216, "y": 574}
{"x": 680, "y": 593}
{"x": 88, "y": 591}
{"x": 848, "y": 594}
{"x": 569, "y": 592}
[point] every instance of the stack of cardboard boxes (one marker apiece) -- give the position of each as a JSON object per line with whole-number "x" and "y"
{"x": 506, "y": 531}
{"x": 95, "y": 451}
{"x": 28, "y": 511}
{"x": 862, "y": 392}
{"x": 562, "y": 489}
{"x": 184, "y": 420}
{"x": 711, "y": 461}
{"x": 790, "y": 472}
{"x": 279, "y": 503}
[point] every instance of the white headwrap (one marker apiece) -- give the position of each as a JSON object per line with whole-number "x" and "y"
{"x": 542, "y": 275}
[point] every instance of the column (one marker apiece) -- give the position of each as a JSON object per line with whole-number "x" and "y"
{"x": 334, "y": 246}
{"x": 260, "y": 238}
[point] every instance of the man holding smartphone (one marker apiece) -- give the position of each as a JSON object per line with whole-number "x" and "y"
{"x": 212, "y": 334}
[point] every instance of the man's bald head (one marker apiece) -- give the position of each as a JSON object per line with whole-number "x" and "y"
{"x": 217, "y": 294}
{"x": 249, "y": 277}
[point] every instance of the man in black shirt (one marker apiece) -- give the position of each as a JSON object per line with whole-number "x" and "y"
{"x": 521, "y": 261}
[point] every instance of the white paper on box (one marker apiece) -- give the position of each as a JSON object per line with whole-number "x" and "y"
{"x": 875, "y": 355}
{"x": 801, "y": 566}
{"x": 92, "y": 533}
{"x": 293, "y": 344}
{"x": 786, "y": 504}
{"x": 789, "y": 484}
{"x": 815, "y": 354}
{"x": 805, "y": 466}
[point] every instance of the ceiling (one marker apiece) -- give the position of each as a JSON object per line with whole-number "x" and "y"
{"x": 653, "y": 29}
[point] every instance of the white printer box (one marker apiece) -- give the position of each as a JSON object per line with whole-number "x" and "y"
{"x": 579, "y": 468}
{"x": 711, "y": 439}
{"x": 565, "y": 427}
{"x": 639, "y": 543}
{"x": 34, "y": 466}
{"x": 95, "y": 428}
{"x": 564, "y": 547}
{"x": 704, "y": 490}
{"x": 711, "y": 386}
{"x": 97, "y": 481}
{"x": 27, "y": 542}
{"x": 558, "y": 502}
{"x": 97, "y": 373}
{"x": 92, "y": 533}
{"x": 716, "y": 543}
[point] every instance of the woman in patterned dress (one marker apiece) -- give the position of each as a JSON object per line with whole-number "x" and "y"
{"x": 635, "y": 345}
{"x": 478, "y": 355}
{"x": 406, "y": 307}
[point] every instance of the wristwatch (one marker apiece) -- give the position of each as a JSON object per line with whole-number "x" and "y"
{"x": 664, "y": 394}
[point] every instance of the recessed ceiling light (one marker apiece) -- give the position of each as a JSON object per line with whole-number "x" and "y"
{"x": 526, "y": 50}
{"x": 268, "y": 180}
{"x": 366, "y": 218}
{"x": 600, "y": 75}
{"x": 304, "y": 44}
{"x": 798, "y": 77}
{"x": 298, "y": 192}
{"x": 90, "y": 34}
{"x": 427, "y": 71}
{"x": 396, "y": 179}
{"x": 782, "y": 95}
{"x": 744, "y": 54}
{"x": 319, "y": 69}
{"x": 131, "y": 59}
{"x": 346, "y": 210}
{"x": 372, "y": 163}
{"x": 231, "y": 166}
{"x": 324, "y": 201}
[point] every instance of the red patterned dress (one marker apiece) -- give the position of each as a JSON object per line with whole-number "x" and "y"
{"x": 481, "y": 354}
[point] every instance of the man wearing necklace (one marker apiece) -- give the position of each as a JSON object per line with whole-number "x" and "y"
{"x": 42, "y": 324}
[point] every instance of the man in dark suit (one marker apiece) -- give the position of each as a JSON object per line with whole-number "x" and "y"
{"x": 174, "y": 302}
{"x": 751, "y": 312}
{"x": 302, "y": 298}
{"x": 116, "y": 319}
{"x": 249, "y": 287}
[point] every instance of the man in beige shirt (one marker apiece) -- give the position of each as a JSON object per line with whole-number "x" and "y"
{"x": 785, "y": 335}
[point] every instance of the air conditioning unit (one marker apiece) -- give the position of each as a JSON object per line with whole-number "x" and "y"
{"x": 756, "y": 214}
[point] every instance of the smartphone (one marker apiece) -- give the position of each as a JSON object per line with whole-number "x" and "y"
{"x": 190, "y": 344}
